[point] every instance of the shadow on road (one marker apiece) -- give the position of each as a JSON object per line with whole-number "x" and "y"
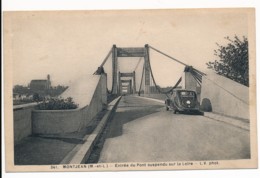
{"x": 121, "y": 118}
{"x": 126, "y": 112}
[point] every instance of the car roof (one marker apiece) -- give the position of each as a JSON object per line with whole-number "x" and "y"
{"x": 182, "y": 90}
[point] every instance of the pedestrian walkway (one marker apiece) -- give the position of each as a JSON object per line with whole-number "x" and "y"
{"x": 237, "y": 122}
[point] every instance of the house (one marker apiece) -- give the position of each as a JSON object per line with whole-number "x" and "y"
{"x": 40, "y": 86}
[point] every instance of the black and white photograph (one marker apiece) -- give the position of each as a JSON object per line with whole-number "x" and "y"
{"x": 116, "y": 90}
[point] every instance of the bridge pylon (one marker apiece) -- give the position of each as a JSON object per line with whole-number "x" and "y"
{"x": 129, "y": 52}
{"x": 132, "y": 80}
{"x": 147, "y": 72}
{"x": 189, "y": 82}
{"x": 114, "y": 70}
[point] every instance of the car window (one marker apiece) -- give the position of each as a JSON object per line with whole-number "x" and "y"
{"x": 187, "y": 93}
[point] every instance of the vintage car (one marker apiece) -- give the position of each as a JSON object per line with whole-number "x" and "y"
{"x": 183, "y": 101}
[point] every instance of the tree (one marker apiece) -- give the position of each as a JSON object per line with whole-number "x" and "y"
{"x": 20, "y": 89}
{"x": 233, "y": 62}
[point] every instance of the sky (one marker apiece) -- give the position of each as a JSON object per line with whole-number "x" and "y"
{"x": 69, "y": 44}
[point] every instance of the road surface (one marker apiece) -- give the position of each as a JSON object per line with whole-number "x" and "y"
{"x": 142, "y": 131}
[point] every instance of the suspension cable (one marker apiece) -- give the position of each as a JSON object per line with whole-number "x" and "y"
{"x": 197, "y": 71}
{"x": 141, "y": 80}
{"x": 167, "y": 55}
{"x": 100, "y": 68}
{"x": 138, "y": 63}
{"x": 196, "y": 78}
{"x": 106, "y": 58}
{"x": 175, "y": 86}
{"x": 156, "y": 86}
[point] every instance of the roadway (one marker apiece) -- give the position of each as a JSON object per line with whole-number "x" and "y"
{"x": 142, "y": 131}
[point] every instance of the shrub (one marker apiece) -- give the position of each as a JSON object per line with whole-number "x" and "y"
{"x": 57, "y": 104}
{"x": 233, "y": 60}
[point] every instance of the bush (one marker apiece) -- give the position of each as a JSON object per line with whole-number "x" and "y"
{"x": 57, "y": 104}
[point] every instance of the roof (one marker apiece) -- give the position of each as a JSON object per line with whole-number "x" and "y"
{"x": 38, "y": 85}
{"x": 38, "y": 81}
{"x": 183, "y": 90}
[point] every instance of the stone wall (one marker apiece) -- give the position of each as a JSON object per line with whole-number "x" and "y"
{"x": 28, "y": 121}
{"x": 66, "y": 121}
{"x": 22, "y": 121}
{"x": 225, "y": 96}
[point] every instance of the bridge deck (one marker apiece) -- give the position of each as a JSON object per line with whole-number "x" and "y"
{"x": 142, "y": 131}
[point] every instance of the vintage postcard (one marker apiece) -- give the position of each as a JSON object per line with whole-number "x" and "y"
{"x": 130, "y": 90}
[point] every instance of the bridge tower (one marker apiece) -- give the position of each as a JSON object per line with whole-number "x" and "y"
{"x": 147, "y": 71}
{"x": 189, "y": 82}
{"x": 126, "y": 84}
{"x": 114, "y": 70}
{"x": 130, "y": 52}
{"x": 133, "y": 81}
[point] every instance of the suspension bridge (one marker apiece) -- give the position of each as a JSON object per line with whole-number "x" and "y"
{"x": 148, "y": 85}
{"x": 141, "y": 129}
{"x": 137, "y": 128}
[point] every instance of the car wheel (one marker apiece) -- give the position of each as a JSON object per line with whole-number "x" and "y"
{"x": 166, "y": 108}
